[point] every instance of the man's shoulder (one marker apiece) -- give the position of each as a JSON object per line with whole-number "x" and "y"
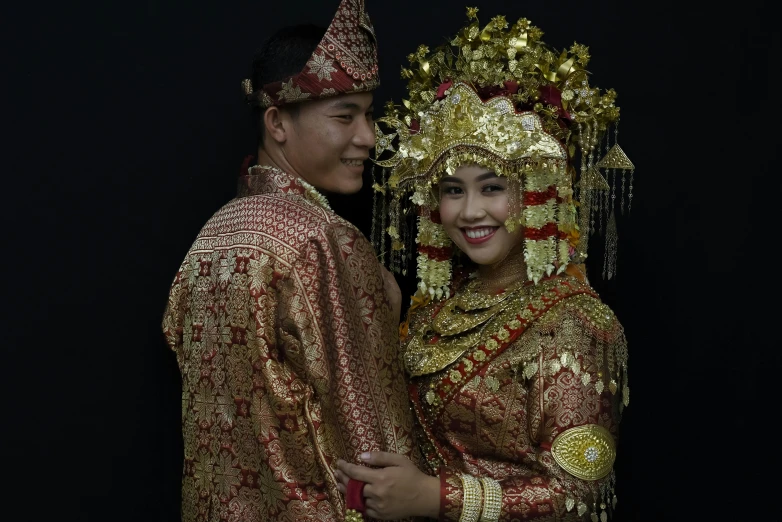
{"x": 275, "y": 222}
{"x": 273, "y": 213}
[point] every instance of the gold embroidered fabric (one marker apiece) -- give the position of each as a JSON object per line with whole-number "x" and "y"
{"x": 287, "y": 348}
{"x": 551, "y": 362}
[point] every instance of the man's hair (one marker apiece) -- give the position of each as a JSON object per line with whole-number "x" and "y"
{"x": 284, "y": 54}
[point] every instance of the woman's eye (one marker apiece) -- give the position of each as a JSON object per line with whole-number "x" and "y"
{"x": 451, "y": 190}
{"x": 493, "y": 188}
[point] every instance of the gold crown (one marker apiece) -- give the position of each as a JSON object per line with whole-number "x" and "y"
{"x": 500, "y": 59}
{"x": 462, "y": 127}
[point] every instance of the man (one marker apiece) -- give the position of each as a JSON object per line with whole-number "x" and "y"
{"x": 281, "y": 318}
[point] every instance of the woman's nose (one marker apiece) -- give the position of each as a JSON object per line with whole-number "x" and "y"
{"x": 473, "y": 209}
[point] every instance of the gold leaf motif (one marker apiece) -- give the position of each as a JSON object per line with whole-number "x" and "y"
{"x": 586, "y": 379}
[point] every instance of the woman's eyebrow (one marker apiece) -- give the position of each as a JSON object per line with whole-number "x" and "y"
{"x": 486, "y": 175}
{"x": 482, "y": 177}
{"x": 451, "y": 179}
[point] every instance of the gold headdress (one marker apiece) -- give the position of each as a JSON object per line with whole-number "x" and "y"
{"x": 500, "y": 97}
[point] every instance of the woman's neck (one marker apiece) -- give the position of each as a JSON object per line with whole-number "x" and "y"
{"x": 501, "y": 275}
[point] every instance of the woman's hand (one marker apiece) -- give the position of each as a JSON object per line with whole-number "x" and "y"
{"x": 395, "y": 488}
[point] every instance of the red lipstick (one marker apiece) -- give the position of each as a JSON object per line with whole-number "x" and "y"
{"x": 478, "y": 240}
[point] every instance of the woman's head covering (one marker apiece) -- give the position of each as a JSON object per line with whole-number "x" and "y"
{"x": 499, "y": 97}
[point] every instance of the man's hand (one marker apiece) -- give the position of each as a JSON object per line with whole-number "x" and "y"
{"x": 395, "y": 488}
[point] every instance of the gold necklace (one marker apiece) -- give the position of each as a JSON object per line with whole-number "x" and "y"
{"x": 470, "y": 308}
{"x": 310, "y": 192}
{"x": 455, "y": 330}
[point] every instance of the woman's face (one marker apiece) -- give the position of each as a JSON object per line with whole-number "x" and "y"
{"x": 473, "y": 210}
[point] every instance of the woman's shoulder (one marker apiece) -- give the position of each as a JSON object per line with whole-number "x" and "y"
{"x": 569, "y": 296}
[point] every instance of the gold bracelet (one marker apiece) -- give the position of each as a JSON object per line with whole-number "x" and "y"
{"x": 492, "y": 500}
{"x": 472, "y": 500}
{"x": 351, "y": 515}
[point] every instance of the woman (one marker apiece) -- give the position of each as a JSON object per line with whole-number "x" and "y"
{"x": 518, "y": 372}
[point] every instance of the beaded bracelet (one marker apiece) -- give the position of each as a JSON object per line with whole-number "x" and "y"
{"x": 473, "y": 499}
{"x": 492, "y": 500}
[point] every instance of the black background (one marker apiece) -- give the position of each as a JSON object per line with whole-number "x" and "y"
{"x": 124, "y": 132}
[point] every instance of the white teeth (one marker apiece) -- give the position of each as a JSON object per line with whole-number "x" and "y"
{"x": 353, "y": 163}
{"x": 481, "y": 232}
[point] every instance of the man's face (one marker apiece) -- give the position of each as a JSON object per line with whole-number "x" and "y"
{"x": 329, "y": 140}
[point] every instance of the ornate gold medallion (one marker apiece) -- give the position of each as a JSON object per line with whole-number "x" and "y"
{"x": 586, "y": 452}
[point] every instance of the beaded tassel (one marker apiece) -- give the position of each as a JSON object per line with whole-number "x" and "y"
{"x": 610, "y": 254}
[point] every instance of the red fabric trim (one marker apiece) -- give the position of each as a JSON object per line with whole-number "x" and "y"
{"x": 354, "y": 497}
{"x": 451, "y": 496}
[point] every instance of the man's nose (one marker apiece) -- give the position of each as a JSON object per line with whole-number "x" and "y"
{"x": 365, "y": 134}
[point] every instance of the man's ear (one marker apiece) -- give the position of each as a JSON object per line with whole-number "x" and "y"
{"x": 275, "y": 122}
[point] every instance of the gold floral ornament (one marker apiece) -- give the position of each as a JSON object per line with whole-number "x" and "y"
{"x": 499, "y": 97}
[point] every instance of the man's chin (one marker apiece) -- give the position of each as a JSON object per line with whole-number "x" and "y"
{"x": 345, "y": 187}
{"x": 344, "y": 190}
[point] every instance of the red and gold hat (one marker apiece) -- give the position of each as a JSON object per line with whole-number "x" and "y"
{"x": 344, "y": 62}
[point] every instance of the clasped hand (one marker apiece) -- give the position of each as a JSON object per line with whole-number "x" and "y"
{"x": 395, "y": 487}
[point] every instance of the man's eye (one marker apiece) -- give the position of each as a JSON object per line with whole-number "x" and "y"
{"x": 346, "y": 117}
